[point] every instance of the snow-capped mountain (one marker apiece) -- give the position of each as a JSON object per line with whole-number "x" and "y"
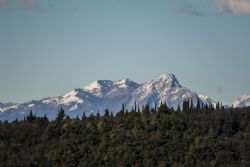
{"x": 243, "y": 101}
{"x": 165, "y": 88}
{"x": 103, "y": 94}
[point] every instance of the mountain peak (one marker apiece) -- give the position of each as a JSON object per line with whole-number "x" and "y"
{"x": 169, "y": 80}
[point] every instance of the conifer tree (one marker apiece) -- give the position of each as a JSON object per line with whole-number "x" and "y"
{"x": 191, "y": 106}
{"x": 178, "y": 108}
{"x": 222, "y": 107}
{"x": 218, "y": 105}
{"x": 77, "y": 117}
{"x": 83, "y": 116}
{"x": 155, "y": 106}
{"x": 185, "y": 106}
{"x": 198, "y": 106}
{"x": 15, "y": 121}
{"x": 31, "y": 117}
{"x": 106, "y": 114}
{"x": 61, "y": 115}
{"x": 98, "y": 115}
{"x": 91, "y": 116}
{"x": 135, "y": 106}
{"x": 122, "y": 111}
{"x": 45, "y": 118}
{"x": 67, "y": 117}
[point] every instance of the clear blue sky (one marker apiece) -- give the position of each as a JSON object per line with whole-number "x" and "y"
{"x": 48, "y": 47}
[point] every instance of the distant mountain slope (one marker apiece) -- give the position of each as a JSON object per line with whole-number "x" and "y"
{"x": 207, "y": 100}
{"x": 103, "y": 94}
{"x": 242, "y": 101}
{"x": 165, "y": 88}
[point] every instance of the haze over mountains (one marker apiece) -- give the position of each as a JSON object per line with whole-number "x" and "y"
{"x": 102, "y": 94}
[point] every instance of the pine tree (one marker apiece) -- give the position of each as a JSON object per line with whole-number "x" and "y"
{"x": 198, "y": 106}
{"x": 15, "y": 121}
{"x": 91, "y": 116}
{"x": 31, "y": 117}
{"x": 77, "y": 117}
{"x": 222, "y": 107}
{"x": 83, "y": 116}
{"x": 155, "y": 106}
{"x": 123, "y": 108}
{"x": 120, "y": 114}
{"x": 191, "y": 109}
{"x": 45, "y": 118}
{"x": 178, "y": 108}
{"x": 163, "y": 108}
{"x": 218, "y": 105}
{"x": 106, "y": 113}
{"x": 61, "y": 115}
{"x": 205, "y": 108}
{"x": 122, "y": 111}
{"x": 98, "y": 115}
{"x": 67, "y": 117}
{"x": 135, "y": 106}
{"x": 211, "y": 107}
{"x": 186, "y": 106}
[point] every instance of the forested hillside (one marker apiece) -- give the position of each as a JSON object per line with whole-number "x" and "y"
{"x": 195, "y": 137}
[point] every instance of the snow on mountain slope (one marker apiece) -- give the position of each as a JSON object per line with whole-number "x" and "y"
{"x": 165, "y": 88}
{"x": 243, "y": 101}
{"x": 103, "y": 88}
{"x": 103, "y": 94}
{"x": 6, "y": 106}
{"x": 207, "y": 100}
{"x": 99, "y": 95}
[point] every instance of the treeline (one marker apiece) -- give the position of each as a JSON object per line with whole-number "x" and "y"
{"x": 197, "y": 136}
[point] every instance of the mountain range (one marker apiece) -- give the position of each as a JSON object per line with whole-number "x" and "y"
{"x": 107, "y": 94}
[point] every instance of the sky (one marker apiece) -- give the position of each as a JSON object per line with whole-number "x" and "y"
{"x": 48, "y": 47}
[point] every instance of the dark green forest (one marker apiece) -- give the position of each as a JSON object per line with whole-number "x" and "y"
{"x": 197, "y": 136}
